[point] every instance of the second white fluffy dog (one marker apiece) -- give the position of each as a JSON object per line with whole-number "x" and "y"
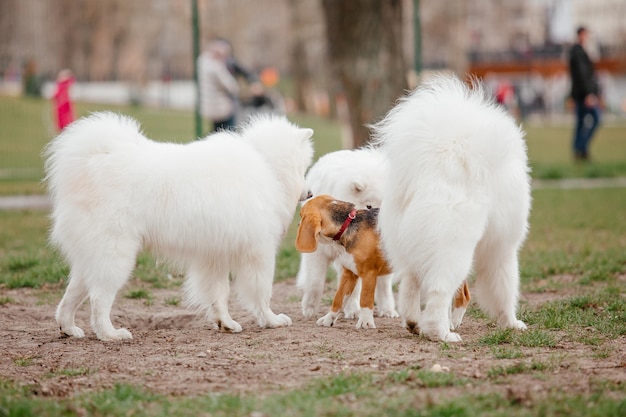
{"x": 217, "y": 206}
{"x": 457, "y": 196}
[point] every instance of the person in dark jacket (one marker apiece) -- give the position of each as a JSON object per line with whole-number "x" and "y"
{"x": 585, "y": 94}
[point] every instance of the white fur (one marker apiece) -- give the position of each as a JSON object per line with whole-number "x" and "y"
{"x": 216, "y": 206}
{"x": 356, "y": 176}
{"x": 366, "y": 319}
{"x": 329, "y": 319}
{"x": 457, "y": 196}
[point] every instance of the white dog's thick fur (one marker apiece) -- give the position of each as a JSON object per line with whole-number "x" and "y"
{"x": 356, "y": 176}
{"x": 457, "y": 196}
{"x": 216, "y": 206}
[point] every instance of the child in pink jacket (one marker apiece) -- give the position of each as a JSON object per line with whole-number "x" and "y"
{"x": 62, "y": 104}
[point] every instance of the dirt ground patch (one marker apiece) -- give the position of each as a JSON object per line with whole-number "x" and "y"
{"x": 178, "y": 353}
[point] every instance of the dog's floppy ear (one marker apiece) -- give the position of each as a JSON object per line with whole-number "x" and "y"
{"x": 308, "y": 232}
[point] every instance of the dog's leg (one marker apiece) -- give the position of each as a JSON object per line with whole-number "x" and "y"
{"x": 208, "y": 289}
{"x": 253, "y": 282}
{"x": 311, "y": 279}
{"x": 220, "y": 293}
{"x": 102, "y": 289}
{"x": 409, "y": 301}
{"x": 435, "y": 323}
{"x": 447, "y": 261}
{"x": 366, "y": 315}
{"x": 459, "y": 305}
{"x": 497, "y": 285}
{"x": 385, "y": 303}
{"x": 75, "y": 294}
{"x": 347, "y": 283}
{"x": 351, "y": 305}
{"x": 448, "y": 268}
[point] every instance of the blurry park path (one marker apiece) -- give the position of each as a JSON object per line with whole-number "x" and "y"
{"x": 578, "y": 183}
{"x": 42, "y": 202}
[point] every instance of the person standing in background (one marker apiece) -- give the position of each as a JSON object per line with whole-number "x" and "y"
{"x": 218, "y": 87}
{"x": 585, "y": 94}
{"x": 63, "y": 107}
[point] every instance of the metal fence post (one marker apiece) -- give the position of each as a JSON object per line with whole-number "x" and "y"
{"x": 195, "y": 26}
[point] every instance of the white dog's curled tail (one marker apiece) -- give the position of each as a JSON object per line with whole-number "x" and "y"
{"x": 458, "y": 122}
{"x": 98, "y": 133}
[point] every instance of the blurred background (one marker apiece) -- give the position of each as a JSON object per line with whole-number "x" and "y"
{"x": 341, "y": 61}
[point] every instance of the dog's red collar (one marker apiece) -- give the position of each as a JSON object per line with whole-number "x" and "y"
{"x": 345, "y": 224}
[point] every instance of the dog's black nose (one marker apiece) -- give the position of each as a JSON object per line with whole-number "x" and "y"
{"x": 309, "y": 195}
{"x": 369, "y": 207}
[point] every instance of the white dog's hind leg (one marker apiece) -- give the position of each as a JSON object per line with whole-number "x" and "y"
{"x": 101, "y": 319}
{"x": 220, "y": 294}
{"x": 447, "y": 262}
{"x": 311, "y": 279}
{"x": 102, "y": 291}
{"x": 440, "y": 282}
{"x": 254, "y": 289}
{"x": 409, "y": 301}
{"x": 435, "y": 323}
{"x": 497, "y": 285}
{"x": 74, "y": 296}
{"x": 385, "y": 303}
{"x": 209, "y": 289}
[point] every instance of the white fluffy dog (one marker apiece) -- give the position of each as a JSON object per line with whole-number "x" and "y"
{"x": 356, "y": 176}
{"x": 216, "y": 206}
{"x": 457, "y": 196}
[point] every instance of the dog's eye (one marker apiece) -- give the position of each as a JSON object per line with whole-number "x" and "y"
{"x": 369, "y": 207}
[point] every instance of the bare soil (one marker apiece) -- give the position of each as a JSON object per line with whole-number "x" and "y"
{"x": 175, "y": 352}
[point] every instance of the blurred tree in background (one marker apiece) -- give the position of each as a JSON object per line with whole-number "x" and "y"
{"x": 364, "y": 44}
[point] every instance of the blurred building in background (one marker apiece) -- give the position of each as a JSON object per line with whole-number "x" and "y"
{"x": 141, "y": 42}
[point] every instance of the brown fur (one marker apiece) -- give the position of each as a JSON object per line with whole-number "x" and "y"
{"x": 323, "y": 216}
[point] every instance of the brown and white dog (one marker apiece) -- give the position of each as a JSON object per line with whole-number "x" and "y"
{"x": 329, "y": 221}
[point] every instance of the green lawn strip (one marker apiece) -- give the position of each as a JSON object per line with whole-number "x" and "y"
{"x": 420, "y": 393}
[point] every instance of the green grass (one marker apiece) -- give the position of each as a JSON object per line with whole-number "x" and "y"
{"x": 551, "y": 158}
{"x": 344, "y": 395}
{"x": 138, "y": 294}
{"x": 604, "y": 312}
{"x": 71, "y": 372}
{"x": 25, "y": 361}
{"x": 575, "y": 235}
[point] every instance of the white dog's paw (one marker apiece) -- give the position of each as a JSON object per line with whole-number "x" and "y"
{"x": 456, "y": 317}
{"x": 438, "y": 331}
{"x": 519, "y": 325}
{"x": 117, "y": 334}
{"x": 511, "y": 323}
{"x": 74, "y": 331}
{"x": 328, "y": 320}
{"x": 309, "y": 311}
{"x": 452, "y": 337}
{"x": 366, "y": 319}
{"x": 229, "y": 326}
{"x": 391, "y": 313}
{"x": 278, "y": 320}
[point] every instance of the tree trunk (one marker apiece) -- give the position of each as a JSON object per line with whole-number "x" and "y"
{"x": 364, "y": 40}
